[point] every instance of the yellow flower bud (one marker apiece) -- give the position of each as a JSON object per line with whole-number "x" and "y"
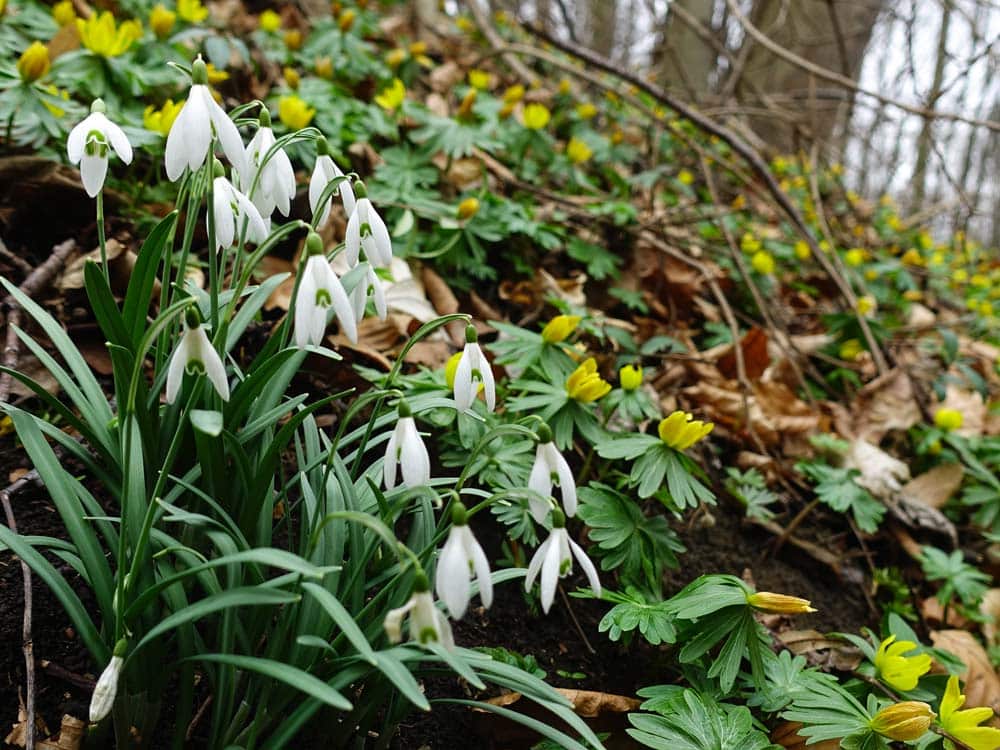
{"x": 418, "y": 48}
{"x": 779, "y": 604}
{"x": 684, "y": 177}
{"x": 161, "y": 21}
{"x": 269, "y": 21}
{"x": 34, "y": 62}
{"x": 559, "y": 328}
{"x": 585, "y": 384}
{"x": 854, "y": 257}
{"x": 192, "y": 11}
{"x": 739, "y": 202}
{"x": 763, "y": 262}
{"x": 899, "y": 671}
{"x": 346, "y": 20}
{"x": 294, "y": 113}
{"x": 479, "y": 79}
{"x": 871, "y": 274}
{"x": 802, "y": 251}
{"x": 514, "y": 94}
{"x": 865, "y": 305}
{"x": 749, "y": 244}
{"x": 395, "y": 57}
{"x": 291, "y": 77}
{"x": 536, "y": 116}
{"x": 293, "y": 39}
{"x": 630, "y": 377}
{"x": 64, "y": 13}
{"x": 850, "y": 350}
{"x": 468, "y": 208}
{"x": 903, "y": 722}
{"x": 948, "y": 419}
{"x": 912, "y": 257}
{"x": 680, "y": 430}
{"x": 324, "y": 68}
{"x": 586, "y": 110}
{"x": 577, "y": 151}
{"x": 565, "y": 86}
{"x": 392, "y": 96}
{"x": 465, "y": 108}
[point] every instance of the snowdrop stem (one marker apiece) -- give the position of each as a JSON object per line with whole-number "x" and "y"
{"x": 101, "y": 240}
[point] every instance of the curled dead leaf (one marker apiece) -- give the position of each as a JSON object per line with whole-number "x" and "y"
{"x": 981, "y": 682}
{"x": 886, "y": 403}
{"x": 936, "y": 486}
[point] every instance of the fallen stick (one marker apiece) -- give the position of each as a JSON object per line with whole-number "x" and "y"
{"x": 35, "y": 282}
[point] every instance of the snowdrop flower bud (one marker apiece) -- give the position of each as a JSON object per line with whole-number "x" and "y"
{"x": 473, "y": 368}
{"x": 231, "y": 209}
{"x": 275, "y": 179}
{"x": 406, "y": 450}
{"x": 195, "y": 355}
{"x": 550, "y": 467}
{"x": 106, "y": 689}
{"x": 88, "y": 145}
{"x": 199, "y": 121}
{"x": 325, "y": 172}
{"x": 554, "y": 561}
{"x": 366, "y": 230}
{"x": 460, "y": 557}
{"x": 319, "y": 289}
{"x": 369, "y": 286}
{"x": 427, "y": 624}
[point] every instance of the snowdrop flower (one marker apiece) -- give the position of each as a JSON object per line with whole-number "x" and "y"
{"x": 231, "y": 209}
{"x": 200, "y": 120}
{"x": 406, "y": 450}
{"x": 369, "y": 285}
{"x": 325, "y": 172}
{"x": 195, "y": 355}
{"x": 319, "y": 289}
{"x": 106, "y": 689}
{"x": 473, "y": 368}
{"x": 275, "y": 179}
{"x": 366, "y": 230}
{"x": 88, "y": 144}
{"x": 553, "y": 560}
{"x": 549, "y": 467}
{"x": 427, "y": 624}
{"x": 460, "y": 557}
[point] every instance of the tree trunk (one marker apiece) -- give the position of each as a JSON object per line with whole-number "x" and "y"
{"x": 919, "y": 181}
{"x": 684, "y": 59}
{"x": 602, "y": 21}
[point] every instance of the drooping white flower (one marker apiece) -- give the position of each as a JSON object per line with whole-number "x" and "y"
{"x": 554, "y": 560}
{"x": 325, "y": 172}
{"x": 270, "y": 184}
{"x": 473, "y": 368}
{"x": 230, "y": 209}
{"x": 320, "y": 289}
{"x": 461, "y": 556}
{"x": 369, "y": 286}
{"x": 427, "y": 623}
{"x": 407, "y": 452}
{"x": 549, "y": 467}
{"x": 199, "y": 121}
{"x": 88, "y": 145}
{"x": 103, "y": 698}
{"x": 195, "y": 355}
{"x": 367, "y": 231}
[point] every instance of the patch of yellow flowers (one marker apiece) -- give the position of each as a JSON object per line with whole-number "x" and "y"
{"x": 102, "y": 36}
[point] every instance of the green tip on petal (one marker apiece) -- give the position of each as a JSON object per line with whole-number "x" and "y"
{"x": 120, "y": 647}
{"x": 264, "y": 118}
{"x": 404, "y": 409}
{"x": 192, "y": 317}
{"x": 199, "y": 72}
{"x": 314, "y": 244}
{"x": 544, "y": 433}
{"x": 360, "y": 191}
{"x": 98, "y": 106}
{"x": 217, "y": 169}
{"x": 420, "y": 583}
{"x": 471, "y": 336}
{"x": 459, "y": 514}
{"x": 322, "y": 146}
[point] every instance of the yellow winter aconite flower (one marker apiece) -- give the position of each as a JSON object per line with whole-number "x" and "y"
{"x": 536, "y": 116}
{"x": 964, "y": 725}
{"x": 62, "y": 94}
{"x": 294, "y": 113}
{"x": 346, "y": 20}
{"x": 293, "y": 39}
{"x": 291, "y": 76}
{"x": 565, "y": 86}
{"x": 779, "y": 604}
{"x": 192, "y": 11}
{"x": 894, "y": 222}
{"x": 865, "y": 305}
{"x": 960, "y": 276}
{"x": 160, "y": 120}
{"x": 948, "y": 419}
{"x": 479, "y": 79}
{"x": 684, "y": 177}
{"x": 324, "y": 68}
{"x": 586, "y": 110}
{"x": 850, "y": 350}
{"x": 898, "y": 671}
{"x": 269, "y": 21}
{"x": 904, "y": 721}
{"x": 681, "y": 430}
{"x": 34, "y": 62}
{"x": 464, "y": 111}
{"x": 514, "y": 94}
{"x": 854, "y": 257}
{"x": 763, "y": 262}
{"x": 161, "y": 20}
{"x": 578, "y": 151}
{"x": 630, "y": 377}
{"x": 802, "y": 251}
{"x": 468, "y": 208}
{"x": 749, "y": 244}
{"x": 215, "y": 75}
{"x": 392, "y": 96}
{"x": 912, "y": 257}
{"x": 64, "y": 13}
{"x": 585, "y": 385}
{"x": 102, "y": 36}
{"x": 559, "y": 328}
{"x": 395, "y": 57}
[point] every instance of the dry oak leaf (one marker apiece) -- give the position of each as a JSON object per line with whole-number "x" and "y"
{"x": 787, "y": 735}
{"x": 981, "y": 682}
{"x": 990, "y": 607}
{"x": 936, "y": 486}
{"x": 886, "y": 403}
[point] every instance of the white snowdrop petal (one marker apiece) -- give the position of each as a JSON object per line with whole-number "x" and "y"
{"x": 567, "y": 484}
{"x": 225, "y": 222}
{"x": 352, "y": 239}
{"x": 465, "y": 390}
{"x": 536, "y": 563}
{"x": 175, "y": 372}
{"x": 382, "y": 243}
{"x": 481, "y": 565}
{"x": 119, "y": 142}
{"x": 77, "y": 141}
{"x": 225, "y": 129}
{"x": 452, "y": 577}
{"x": 588, "y": 567}
{"x": 550, "y": 571}
{"x": 414, "y": 461}
{"x": 391, "y": 459}
{"x": 93, "y": 170}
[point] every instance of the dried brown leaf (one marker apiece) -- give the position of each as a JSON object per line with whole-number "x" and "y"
{"x": 982, "y": 684}
{"x": 886, "y": 403}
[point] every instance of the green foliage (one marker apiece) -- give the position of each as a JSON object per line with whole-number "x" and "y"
{"x": 633, "y": 612}
{"x": 958, "y": 577}
{"x": 750, "y": 489}
{"x": 686, "y": 720}
{"x": 836, "y": 487}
